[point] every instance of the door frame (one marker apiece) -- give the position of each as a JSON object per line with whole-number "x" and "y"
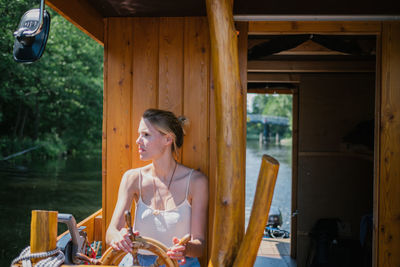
{"x": 332, "y": 28}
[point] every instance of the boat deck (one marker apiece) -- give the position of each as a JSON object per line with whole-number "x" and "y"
{"x": 274, "y": 252}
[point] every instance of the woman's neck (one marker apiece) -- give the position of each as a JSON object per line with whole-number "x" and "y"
{"x": 163, "y": 167}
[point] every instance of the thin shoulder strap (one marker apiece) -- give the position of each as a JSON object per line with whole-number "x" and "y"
{"x": 140, "y": 183}
{"x": 188, "y": 183}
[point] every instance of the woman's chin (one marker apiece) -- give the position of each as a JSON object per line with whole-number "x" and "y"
{"x": 143, "y": 157}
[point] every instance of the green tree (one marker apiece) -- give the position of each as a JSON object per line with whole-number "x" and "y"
{"x": 274, "y": 105}
{"x": 55, "y": 102}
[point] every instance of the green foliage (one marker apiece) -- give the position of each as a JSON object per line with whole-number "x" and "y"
{"x": 56, "y": 101}
{"x": 273, "y": 105}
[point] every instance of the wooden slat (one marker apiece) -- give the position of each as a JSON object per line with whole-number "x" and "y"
{"x": 196, "y": 93}
{"x": 389, "y": 187}
{"x": 307, "y": 27}
{"x": 104, "y": 131}
{"x": 259, "y": 77}
{"x": 118, "y": 92}
{"x": 242, "y": 27}
{"x": 311, "y": 66}
{"x": 295, "y": 167}
{"x": 171, "y": 65}
{"x": 377, "y": 156}
{"x": 275, "y": 90}
{"x": 195, "y": 151}
{"x": 212, "y": 177}
{"x": 83, "y": 15}
{"x": 145, "y": 75}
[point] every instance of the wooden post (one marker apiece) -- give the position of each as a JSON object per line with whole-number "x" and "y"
{"x": 387, "y": 206}
{"x": 229, "y": 212}
{"x": 43, "y": 231}
{"x": 259, "y": 213}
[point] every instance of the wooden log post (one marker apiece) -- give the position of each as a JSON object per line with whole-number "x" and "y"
{"x": 228, "y": 227}
{"x": 259, "y": 213}
{"x": 43, "y": 231}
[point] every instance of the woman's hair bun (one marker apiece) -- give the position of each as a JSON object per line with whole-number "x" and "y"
{"x": 184, "y": 121}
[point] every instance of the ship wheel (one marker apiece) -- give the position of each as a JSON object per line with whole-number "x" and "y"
{"x": 114, "y": 257}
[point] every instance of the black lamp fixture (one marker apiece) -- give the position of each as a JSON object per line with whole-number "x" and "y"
{"x": 31, "y": 35}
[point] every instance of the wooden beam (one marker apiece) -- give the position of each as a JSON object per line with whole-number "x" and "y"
{"x": 281, "y": 91}
{"x": 259, "y": 212}
{"x": 229, "y": 217}
{"x": 260, "y": 77}
{"x": 83, "y": 15}
{"x": 307, "y": 48}
{"x": 307, "y": 27}
{"x": 311, "y": 66}
{"x": 387, "y": 231}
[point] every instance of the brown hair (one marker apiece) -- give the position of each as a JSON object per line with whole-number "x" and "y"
{"x": 167, "y": 123}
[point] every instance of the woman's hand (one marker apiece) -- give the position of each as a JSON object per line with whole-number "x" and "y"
{"x": 177, "y": 252}
{"x": 122, "y": 240}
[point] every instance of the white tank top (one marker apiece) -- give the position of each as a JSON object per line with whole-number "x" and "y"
{"x": 165, "y": 224}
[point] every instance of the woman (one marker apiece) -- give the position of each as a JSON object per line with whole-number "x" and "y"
{"x": 171, "y": 199}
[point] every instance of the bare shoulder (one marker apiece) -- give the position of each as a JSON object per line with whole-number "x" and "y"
{"x": 199, "y": 181}
{"x": 130, "y": 179}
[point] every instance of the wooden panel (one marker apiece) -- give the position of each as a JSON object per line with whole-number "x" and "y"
{"x": 212, "y": 177}
{"x": 311, "y": 66}
{"x": 104, "y": 133}
{"x": 196, "y": 93}
{"x": 331, "y": 27}
{"x": 242, "y": 27}
{"x": 82, "y": 15}
{"x": 118, "y": 91}
{"x": 171, "y": 65}
{"x": 145, "y": 75}
{"x": 389, "y": 187}
{"x": 273, "y": 77}
{"x": 295, "y": 167}
{"x": 377, "y": 146}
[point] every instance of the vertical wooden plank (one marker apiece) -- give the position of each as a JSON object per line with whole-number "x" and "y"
{"x": 171, "y": 65}
{"x": 295, "y": 150}
{"x": 104, "y": 132}
{"x": 212, "y": 177}
{"x": 196, "y": 93}
{"x": 389, "y": 181}
{"x": 242, "y": 28}
{"x": 377, "y": 116}
{"x": 118, "y": 108}
{"x": 145, "y": 75}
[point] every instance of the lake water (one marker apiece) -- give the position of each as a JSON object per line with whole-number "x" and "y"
{"x": 74, "y": 186}
{"x": 283, "y": 187}
{"x": 68, "y": 186}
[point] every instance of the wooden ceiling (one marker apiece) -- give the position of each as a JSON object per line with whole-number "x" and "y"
{"x": 170, "y": 8}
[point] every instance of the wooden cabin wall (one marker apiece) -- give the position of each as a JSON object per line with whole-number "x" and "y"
{"x": 158, "y": 63}
{"x": 154, "y": 63}
{"x": 334, "y": 180}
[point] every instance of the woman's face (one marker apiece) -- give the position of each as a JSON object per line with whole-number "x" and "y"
{"x": 151, "y": 143}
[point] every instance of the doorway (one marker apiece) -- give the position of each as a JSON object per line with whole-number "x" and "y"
{"x": 329, "y": 83}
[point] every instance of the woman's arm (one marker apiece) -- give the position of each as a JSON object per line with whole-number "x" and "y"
{"x": 117, "y": 236}
{"x": 199, "y": 197}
